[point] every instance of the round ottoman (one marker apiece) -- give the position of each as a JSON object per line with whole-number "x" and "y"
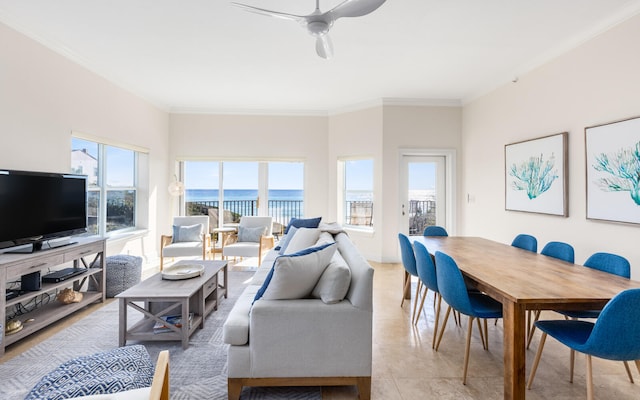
{"x": 122, "y": 272}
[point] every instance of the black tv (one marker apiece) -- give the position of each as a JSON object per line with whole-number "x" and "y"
{"x": 36, "y": 207}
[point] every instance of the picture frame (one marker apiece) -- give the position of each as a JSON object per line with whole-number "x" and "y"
{"x": 612, "y": 166}
{"x": 536, "y": 175}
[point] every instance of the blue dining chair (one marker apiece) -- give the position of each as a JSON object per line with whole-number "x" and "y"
{"x": 409, "y": 263}
{"x": 427, "y": 274}
{"x": 562, "y": 251}
{"x": 614, "y": 336}
{"x": 606, "y": 262}
{"x": 434, "y": 231}
{"x": 559, "y": 250}
{"x": 526, "y": 242}
{"x": 475, "y": 305}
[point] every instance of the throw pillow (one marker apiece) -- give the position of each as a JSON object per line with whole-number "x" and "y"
{"x": 120, "y": 369}
{"x": 187, "y": 233}
{"x": 303, "y": 223}
{"x": 303, "y": 239}
{"x": 246, "y": 234}
{"x": 294, "y": 276}
{"x": 333, "y": 285}
{"x": 284, "y": 242}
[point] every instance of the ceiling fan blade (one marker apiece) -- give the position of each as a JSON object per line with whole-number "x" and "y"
{"x": 269, "y": 13}
{"x": 354, "y": 8}
{"x": 324, "y": 47}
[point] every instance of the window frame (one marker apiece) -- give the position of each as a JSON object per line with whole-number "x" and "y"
{"x": 342, "y": 193}
{"x": 103, "y": 189}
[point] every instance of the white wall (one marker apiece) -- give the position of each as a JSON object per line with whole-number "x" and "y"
{"x": 45, "y": 96}
{"x": 595, "y": 83}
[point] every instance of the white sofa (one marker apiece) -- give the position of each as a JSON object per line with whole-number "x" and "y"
{"x": 303, "y": 342}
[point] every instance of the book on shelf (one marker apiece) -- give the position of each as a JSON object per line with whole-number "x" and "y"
{"x": 175, "y": 320}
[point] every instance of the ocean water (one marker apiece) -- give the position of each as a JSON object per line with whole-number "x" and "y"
{"x": 240, "y": 194}
{"x": 244, "y": 194}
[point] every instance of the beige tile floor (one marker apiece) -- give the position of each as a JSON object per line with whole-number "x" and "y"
{"x": 406, "y": 368}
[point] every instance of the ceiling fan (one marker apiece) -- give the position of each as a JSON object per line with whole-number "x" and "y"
{"x": 319, "y": 23}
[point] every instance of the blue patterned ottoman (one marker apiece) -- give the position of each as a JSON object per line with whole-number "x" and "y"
{"x": 117, "y": 370}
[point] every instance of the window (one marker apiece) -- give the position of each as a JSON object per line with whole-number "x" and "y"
{"x": 112, "y": 184}
{"x": 274, "y": 188}
{"x": 356, "y": 191}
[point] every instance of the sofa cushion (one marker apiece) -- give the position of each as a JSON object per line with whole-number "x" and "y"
{"x": 235, "y": 330}
{"x": 284, "y": 242}
{"x": 303, "y": 223}
{"x": 187, "y": 233}
{"x": 333, "y": 285}
{"x": 249, "y": 234}
{"x": 294, "y": 276}
{"x": 304, "y": 238}
{"x": 120, "y": 369}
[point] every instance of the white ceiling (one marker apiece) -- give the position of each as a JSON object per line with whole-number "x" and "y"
{"x": 208, "y": 56}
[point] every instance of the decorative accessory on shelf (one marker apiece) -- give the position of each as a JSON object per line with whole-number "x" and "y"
{"x": 68, "y": 296}
{"x": 176, "y": 188}
{"x": 13, "y": 326}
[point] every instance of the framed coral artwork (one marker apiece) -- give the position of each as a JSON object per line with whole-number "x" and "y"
{"x": 536, "y": 175}
{"x": 613, "y": 171}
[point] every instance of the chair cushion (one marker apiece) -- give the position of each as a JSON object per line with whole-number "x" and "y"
{"x": 117, "y": 370}
{"x": 334, "y": 282}
{"x": 183, "y": 249}
{"x": 247, "y": 234}
{"x": 304, "y": 238}
{"x": 187, "y": 233}
{"x": 294, "y": 276}
{"x": 303, "y": 223}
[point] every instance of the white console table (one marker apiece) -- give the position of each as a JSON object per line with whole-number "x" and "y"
{"x": 87, "y": 253}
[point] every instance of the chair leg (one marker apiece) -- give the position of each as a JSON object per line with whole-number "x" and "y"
{"x": 536, "y": 360}
{"x": 637, "y": 362}
{"x": 407, "y": 285}
{"x": 424, "y": 296}
{"x": 415, "y": 301}
{"x": 444, "y": 325}
{"x": 626, "y": 366}
{"x": 533, "y": 329}
{"x": 572, "y": 361}
{"x": 435, "y": 327}
{"x": 589, "y": 378}
{"x": 484, "y": 345}
{"x": 466, "y": 350}
{"x": 486, "y": 334}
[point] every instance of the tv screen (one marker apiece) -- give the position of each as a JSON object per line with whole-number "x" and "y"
{"x": 37, "y": 206}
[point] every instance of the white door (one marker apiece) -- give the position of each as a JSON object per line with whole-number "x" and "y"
{"x": 423, "y": 193}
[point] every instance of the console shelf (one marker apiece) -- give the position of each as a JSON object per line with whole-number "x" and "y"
{"x": 13, "y": 266}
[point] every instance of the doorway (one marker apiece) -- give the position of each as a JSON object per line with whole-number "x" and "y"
{"x": 426, "y": 191}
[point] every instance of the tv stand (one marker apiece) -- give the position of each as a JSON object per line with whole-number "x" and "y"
{"x": 83, "y": 253}
{"x": 39, "y": 246}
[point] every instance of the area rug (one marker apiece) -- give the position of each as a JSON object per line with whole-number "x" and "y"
{"x": 199, "y": 372}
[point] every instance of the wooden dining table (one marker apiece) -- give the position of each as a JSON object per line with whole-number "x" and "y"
{"x": 522, "y": 280}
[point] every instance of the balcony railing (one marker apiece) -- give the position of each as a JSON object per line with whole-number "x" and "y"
{"x": 422, "y": 213}
{"x": 359, "y": 213}
{"x": 281, "y": 210}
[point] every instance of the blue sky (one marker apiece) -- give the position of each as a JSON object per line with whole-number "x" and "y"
{"x": 244, "y": 175}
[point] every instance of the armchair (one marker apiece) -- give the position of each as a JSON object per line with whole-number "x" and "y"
{"x": 254, "y": 236}
{"x": 188, "y": 239}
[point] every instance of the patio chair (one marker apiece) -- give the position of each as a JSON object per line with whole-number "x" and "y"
{"x": 254, "y": 236}
{"x": 190, "y": 238}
